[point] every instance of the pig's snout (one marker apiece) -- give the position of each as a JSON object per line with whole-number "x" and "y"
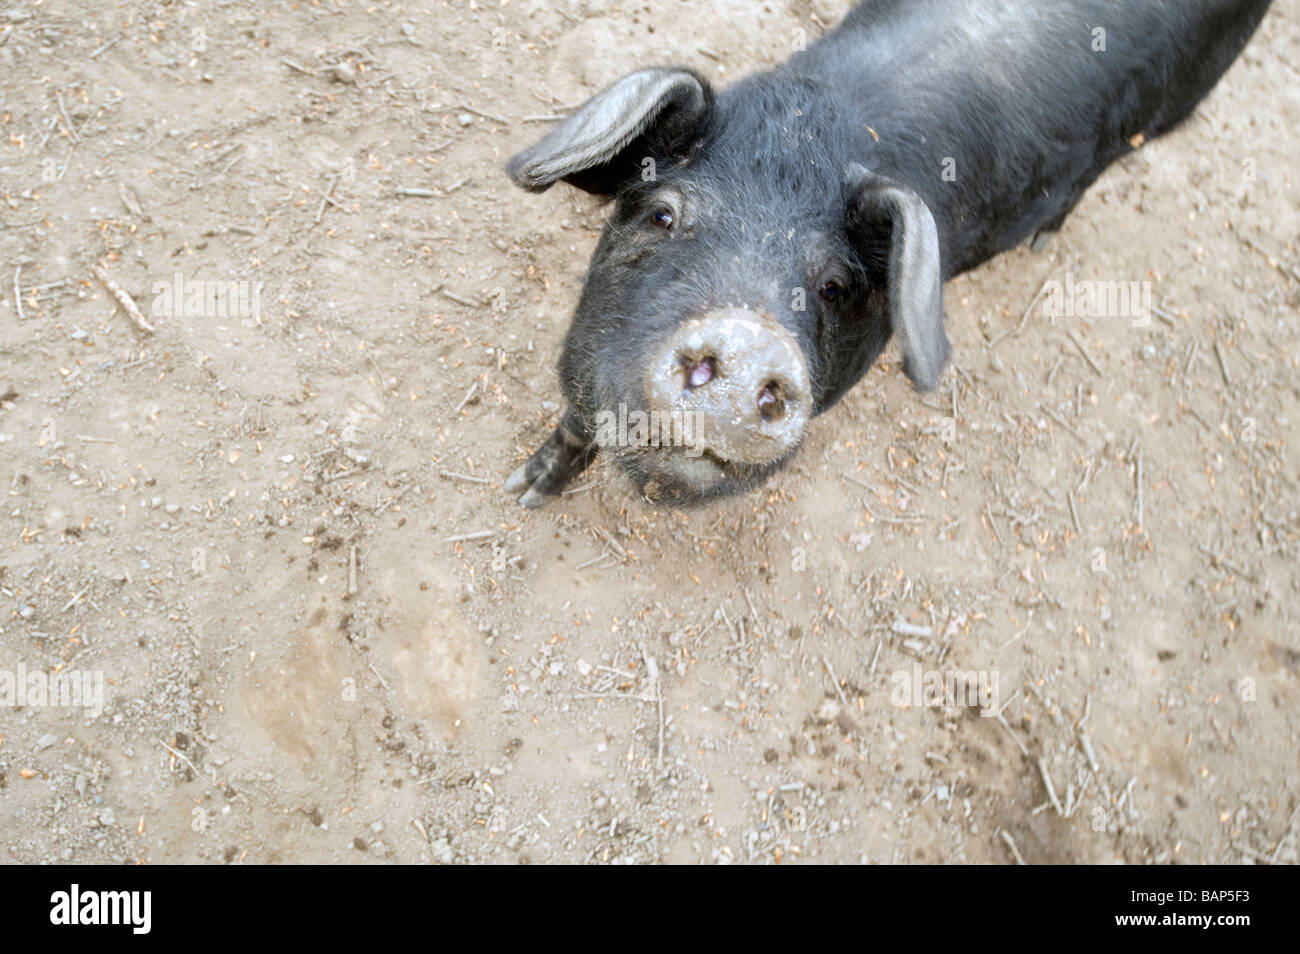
{"x": 738, "y": 382}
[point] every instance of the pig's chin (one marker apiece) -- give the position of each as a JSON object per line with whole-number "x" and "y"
{"x": 677, "y": 477}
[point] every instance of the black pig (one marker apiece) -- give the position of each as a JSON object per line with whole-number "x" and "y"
{"x": 766, "y": 241}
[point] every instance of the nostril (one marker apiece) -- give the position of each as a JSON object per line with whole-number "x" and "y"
{"x": 700, "y": 372}
{"x": 771, "y": 402}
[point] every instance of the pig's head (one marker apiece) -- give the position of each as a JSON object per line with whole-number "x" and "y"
{"x": 749, "y": 274}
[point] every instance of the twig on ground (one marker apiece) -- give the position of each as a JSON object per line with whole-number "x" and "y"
{"x": 834, "y": 680}
{"x": 1084, "y": 351}
{"x": 128, "y": 304}
{"x": 466, "y": 537}
{"x": 1051, "y": 789}
{"x": 1012, "y": 845}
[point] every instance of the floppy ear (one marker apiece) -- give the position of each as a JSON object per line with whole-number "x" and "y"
{"x": 658, "y": 112}
{"x": 887, "y": 215}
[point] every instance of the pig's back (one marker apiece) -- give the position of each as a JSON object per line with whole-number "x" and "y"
{"x": 1001, "y": 113}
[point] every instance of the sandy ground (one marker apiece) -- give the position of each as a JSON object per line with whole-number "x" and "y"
{"x": 241, "y": 523}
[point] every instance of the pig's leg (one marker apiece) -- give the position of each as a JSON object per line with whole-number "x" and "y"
{"x": 1043, "y": 236}
{"x": 565, "y": 455}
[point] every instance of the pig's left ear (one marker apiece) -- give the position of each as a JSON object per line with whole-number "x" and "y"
{"x": 889, "y": 221}
{"x": 657, "y": 111}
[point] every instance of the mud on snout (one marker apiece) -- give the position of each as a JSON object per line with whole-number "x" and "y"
{"x": 726, "y": 401}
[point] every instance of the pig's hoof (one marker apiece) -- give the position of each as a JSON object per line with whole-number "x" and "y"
{"x": 564, "y": 456}
{"x": 1039, "y": 241}
{"x": 530, "y": 498}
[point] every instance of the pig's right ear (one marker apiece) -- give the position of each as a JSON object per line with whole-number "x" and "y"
{"x": 658, "y": 112}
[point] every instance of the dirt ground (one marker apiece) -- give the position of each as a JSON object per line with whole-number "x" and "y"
{"x": 244, "y": 521}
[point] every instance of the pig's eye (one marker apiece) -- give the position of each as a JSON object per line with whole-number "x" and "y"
{"x": 830, "y": 291}
{"x": 662, "y": 217}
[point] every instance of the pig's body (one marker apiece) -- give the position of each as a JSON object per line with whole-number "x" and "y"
{"x": 768, "y": 240}
{"x": 1016, "y": 93}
